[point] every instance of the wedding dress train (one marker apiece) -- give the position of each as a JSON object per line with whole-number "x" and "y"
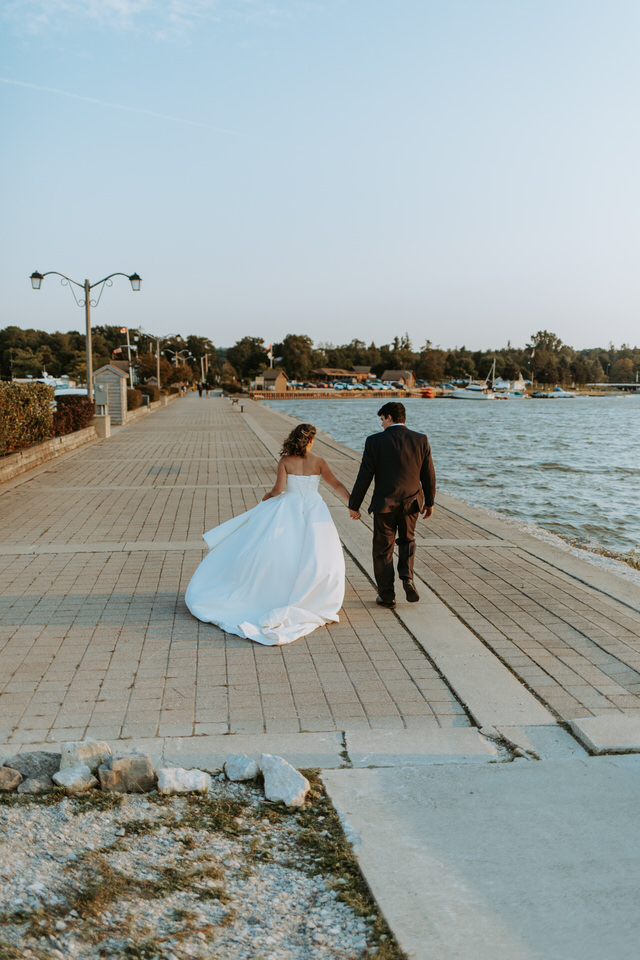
{"x": 274, "y": 573}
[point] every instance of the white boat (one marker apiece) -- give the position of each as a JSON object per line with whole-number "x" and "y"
{"x": 473, "y": 391}
{"x": 556, "y": 394}
{"x": 477, "y": 389}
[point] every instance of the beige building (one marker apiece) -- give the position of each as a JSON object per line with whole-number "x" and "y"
{"x": 400, "y": 376}
{"x": 272, "y": 380}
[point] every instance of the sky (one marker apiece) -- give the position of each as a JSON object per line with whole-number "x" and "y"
{"x": 463, "y": 171}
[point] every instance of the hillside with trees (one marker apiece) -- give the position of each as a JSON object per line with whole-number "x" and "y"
{"x": 544, "y": 359}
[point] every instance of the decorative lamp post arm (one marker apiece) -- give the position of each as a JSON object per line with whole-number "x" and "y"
{"x": 36, "y": 282}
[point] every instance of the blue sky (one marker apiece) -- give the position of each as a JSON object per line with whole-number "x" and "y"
{"x": 465, "y": 171}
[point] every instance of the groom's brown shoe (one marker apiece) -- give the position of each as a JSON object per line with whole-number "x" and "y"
{"x": 410, "y": 591}
{"x": 389, "y": 604}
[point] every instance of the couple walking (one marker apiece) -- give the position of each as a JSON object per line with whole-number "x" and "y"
{"x": 276, "y": 572}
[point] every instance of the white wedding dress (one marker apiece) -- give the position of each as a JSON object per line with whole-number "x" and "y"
{"x": 274, "y": 573}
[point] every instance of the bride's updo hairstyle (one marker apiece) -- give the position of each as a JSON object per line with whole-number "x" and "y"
{"x": 298, "y": 440}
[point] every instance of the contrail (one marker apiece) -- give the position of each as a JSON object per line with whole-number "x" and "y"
{"x": 120, "y": 106}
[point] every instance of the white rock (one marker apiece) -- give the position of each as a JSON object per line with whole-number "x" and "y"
{"x": 282, "y": 782}
{"x": 238, "y": 766}
{"x": 90, "y": 752}
{"x": 75, "y": 779}
{"x": 177, "y": 780}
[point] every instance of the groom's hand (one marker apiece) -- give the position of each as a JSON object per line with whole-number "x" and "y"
{"x": 354, "y": 514}
{"x": 427, "y": 512}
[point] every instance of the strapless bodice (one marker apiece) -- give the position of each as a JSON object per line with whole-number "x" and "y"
{"x": 303, "y": 486}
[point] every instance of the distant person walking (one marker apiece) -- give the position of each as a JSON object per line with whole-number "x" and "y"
{"x": 399, "y": 462}
{"x": 199, "y": 389}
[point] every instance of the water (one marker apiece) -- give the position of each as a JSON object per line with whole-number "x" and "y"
{"x": 571, "y": 467}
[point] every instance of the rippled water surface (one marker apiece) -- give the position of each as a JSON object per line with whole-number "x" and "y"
{"x": 569, "y": 466}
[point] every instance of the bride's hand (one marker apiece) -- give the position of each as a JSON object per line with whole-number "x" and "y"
{"x": 354, "y": 514}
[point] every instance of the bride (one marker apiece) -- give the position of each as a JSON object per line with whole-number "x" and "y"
{"x": 276, "y": 573}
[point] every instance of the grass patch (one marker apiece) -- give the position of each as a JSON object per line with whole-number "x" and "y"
{"x": 138, "y": 828}
{"x": 148, "y": 949}
{"x": 49, "y": 799}
{"x": 218, "y": 816}
{"x": 96, "y": 800}
{"x": 328, "y": 852}
{"x": 8, "y": 952}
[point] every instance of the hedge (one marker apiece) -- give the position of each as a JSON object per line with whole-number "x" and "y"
{"x": 26, "y": 415}
{"x": 134, "y": 399}
{"x": 72, "y": 413}
{"x": 151, "y": 391}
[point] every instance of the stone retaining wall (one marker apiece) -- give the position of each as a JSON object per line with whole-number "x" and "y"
{"x": 22, "y": 460}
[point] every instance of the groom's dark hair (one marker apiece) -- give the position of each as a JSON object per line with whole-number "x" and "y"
{"x": 396, "y": 411}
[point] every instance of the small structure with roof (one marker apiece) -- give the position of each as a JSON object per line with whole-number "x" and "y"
{"x": 400, "y": 376}
{"x": 115, "y": 380}
{"x": 271, "y": 380}
{"x": 363, "y": 373}
{"x": 333, "y": 373}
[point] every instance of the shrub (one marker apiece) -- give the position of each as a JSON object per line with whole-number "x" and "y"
{"x": 72, "y": 413}
{"x": 174, "y": 389}
{"x": 231, "y": 387}
{"x": 134, "y": 399}
{"x": 26, "y": 415}
{"x": 151, "y": 391}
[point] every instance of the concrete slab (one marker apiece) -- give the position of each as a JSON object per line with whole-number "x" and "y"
{"x": 542, "y": 742}
{"x": 517, "y": 861}
{"x": 391, "y": 748}
{"x": 490, "y": 692}
{"x": 302, "y": 750}
{"x": 609, "y": 733}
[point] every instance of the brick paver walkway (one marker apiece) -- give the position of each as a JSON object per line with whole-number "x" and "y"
{"x": 95, "y": 639}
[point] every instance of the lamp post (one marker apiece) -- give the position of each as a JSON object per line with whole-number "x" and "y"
{"x": 176, "y": 354}
{"x": 36, "y": 282}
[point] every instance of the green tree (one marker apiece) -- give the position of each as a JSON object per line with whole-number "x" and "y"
{"x": 248, "y": 357}
{"x": 622, "y": 371}
{"x": 296, "y": 351}
{"x": 146, "y": 366}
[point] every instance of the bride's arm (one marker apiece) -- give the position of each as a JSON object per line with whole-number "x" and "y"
{"x": 328, "y": 476}
{"x": 281, "y": 482}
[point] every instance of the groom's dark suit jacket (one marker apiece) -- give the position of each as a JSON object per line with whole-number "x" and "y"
{"x": 399, "y": 460}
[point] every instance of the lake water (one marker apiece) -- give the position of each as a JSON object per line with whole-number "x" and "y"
{"x": 571, "y": 467}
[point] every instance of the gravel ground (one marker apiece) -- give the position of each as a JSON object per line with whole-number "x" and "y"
{"x": 145, "y": 877}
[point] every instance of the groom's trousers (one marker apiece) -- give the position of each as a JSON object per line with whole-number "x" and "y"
{"x": 396, "y": 527}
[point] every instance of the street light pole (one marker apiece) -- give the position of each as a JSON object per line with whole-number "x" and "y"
{"x": 36, "y": 282}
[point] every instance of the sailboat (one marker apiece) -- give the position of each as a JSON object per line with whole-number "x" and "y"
{"x": 477, "y": 389}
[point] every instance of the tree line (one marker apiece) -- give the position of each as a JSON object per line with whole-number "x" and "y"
{"x": 544, "y": 359}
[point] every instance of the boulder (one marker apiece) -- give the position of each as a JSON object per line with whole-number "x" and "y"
{"x": 130, "y": 773}
{"x": 76, "y": 779}
{"x": 9, "y": 778}
{"x": 36, "y": 763}
{"x": 238, "y": 766}
{"x": 177, "y": 780}
{"x": 40, "y": 784}
{"x": 90, "y": 752}
{"x": 282, "y": 782}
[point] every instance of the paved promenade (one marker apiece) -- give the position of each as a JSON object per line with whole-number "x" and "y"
{"x": 519, "y": 657}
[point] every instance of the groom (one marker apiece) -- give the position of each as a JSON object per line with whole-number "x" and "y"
{"x": 398, "y": 460}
